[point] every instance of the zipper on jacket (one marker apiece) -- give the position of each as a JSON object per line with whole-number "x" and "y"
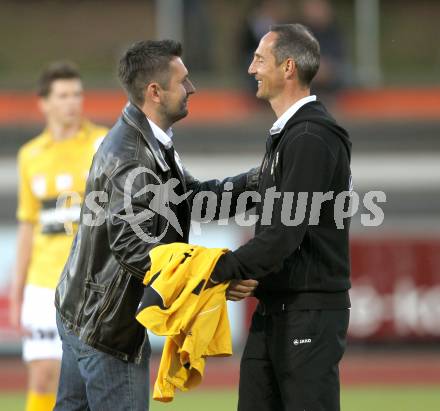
{"x": 260, "y": 172}
{"x": 268, "y": 159}
{"x": 79, "y": 317}
{"x": 264, "y": 164}
{"x": 141, "y": 349}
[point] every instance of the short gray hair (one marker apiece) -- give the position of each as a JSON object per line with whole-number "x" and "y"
{"x": 297, "y": 42}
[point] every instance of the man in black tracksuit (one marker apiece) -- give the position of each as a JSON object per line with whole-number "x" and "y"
{"x": 300, "y": 252}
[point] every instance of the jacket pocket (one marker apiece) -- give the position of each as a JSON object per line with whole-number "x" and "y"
{"x": 302, "y": 323}
{"x": 101, "y": 303}
{"x": 301, "y": 263}
{"x": 93, "y": 295}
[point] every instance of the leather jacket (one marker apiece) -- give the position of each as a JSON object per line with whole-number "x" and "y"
{"x": 102, "y": 282}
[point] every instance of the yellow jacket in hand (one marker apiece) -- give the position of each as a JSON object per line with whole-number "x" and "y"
{"x": 194, "y": 319}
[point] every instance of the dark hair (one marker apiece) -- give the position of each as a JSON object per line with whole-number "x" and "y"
{"x": 60, "y": 70}
{"x": 144, "y": 62}
{"x": 297, "y": 42}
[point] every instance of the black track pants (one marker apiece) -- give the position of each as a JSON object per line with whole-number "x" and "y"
{"x": 290, "y": 362}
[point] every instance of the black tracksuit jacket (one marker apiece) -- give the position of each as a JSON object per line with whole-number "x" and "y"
{"x": 305, "y": 265}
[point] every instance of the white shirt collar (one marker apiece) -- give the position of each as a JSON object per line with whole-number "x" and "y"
{"x": 163, "y": 136}
{"x": 286, "y": 116}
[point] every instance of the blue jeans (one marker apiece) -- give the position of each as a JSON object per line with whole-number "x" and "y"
{"x": 93, "y": 380}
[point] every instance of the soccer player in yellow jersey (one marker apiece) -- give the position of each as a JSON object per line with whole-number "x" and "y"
{"x": 53, "y": 164}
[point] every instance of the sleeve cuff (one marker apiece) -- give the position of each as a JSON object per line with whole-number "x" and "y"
{"x": 226, "y": 268}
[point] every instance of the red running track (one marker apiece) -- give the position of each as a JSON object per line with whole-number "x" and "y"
{"x": 356, "y": 369}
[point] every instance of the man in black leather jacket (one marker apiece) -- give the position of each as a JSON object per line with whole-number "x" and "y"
{"x": 105, "y": 351}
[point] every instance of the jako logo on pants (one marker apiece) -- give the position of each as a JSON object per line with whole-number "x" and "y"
{"x": 303, "y": 341}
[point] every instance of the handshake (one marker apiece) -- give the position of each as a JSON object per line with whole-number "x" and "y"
{"x": 238, "y": 289}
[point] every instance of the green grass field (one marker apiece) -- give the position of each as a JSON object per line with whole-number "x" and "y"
{"x": 353, "y": 399}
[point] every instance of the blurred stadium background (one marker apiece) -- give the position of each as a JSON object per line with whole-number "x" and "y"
{"x": 381, "y": 80}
